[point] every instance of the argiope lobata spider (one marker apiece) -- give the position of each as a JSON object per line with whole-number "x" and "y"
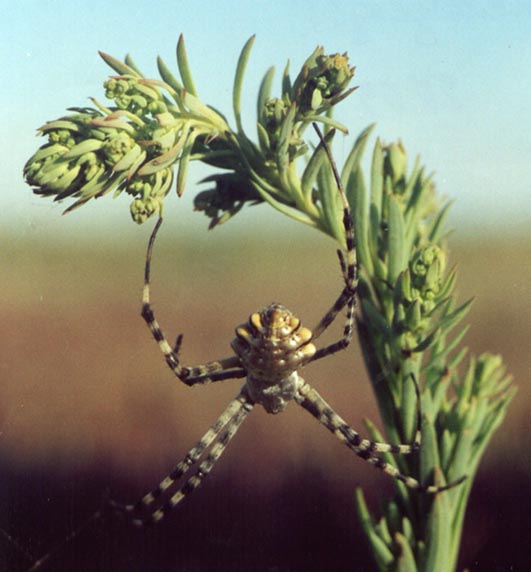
{"x": 270, "y": 349}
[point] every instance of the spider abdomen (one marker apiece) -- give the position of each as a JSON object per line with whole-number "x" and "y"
{"x": 272, "y": 345}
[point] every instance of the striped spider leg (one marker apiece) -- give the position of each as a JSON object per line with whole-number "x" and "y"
{"x": 220, "y": 433}
{"x": 349, "y": 269}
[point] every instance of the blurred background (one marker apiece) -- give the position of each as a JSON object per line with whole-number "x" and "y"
{"x": 87, "y": 403}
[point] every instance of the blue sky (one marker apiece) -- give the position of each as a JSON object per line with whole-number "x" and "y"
{"x": 451, "y": 79}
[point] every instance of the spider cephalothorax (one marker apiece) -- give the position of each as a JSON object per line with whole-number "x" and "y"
{"x": 272, "y": 345}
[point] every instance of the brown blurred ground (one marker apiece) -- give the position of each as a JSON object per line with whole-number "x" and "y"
{"x": 87, "y": 402}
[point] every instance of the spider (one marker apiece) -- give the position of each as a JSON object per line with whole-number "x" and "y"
{"x": 270, "y": 349}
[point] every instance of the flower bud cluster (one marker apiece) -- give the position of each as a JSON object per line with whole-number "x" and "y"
{"x": 268, "y": 172}
{"x": 427, "y": 268}
{"x": 274, "y": 115}
{"x": 134, "y": 95}
{"x": 420, "y": 290}
{"x": 324, "y": 81}
{"x": 129, "y": 147}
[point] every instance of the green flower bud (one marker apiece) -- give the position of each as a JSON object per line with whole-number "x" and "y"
{"x": 134, "y": 95}
{"x": 142, "y": 209}
{"x": 63, "y": 137}
{"x": 274, "y": 112}
{"x": 427, "y": 269}
{"x": 322, "y": 82}
{"x": 117, "y": 147}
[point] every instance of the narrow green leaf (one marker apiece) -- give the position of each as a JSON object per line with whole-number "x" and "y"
{"x": 380, "y": 269}
{"x": 238, "y": 81}
{"x": 375, "y": 319}
{"x": 456, "y": 340}
{"x": 414, "y": 187}
{"x": 356, "y": 153}
{"x": 184, "y": 68}
{"x": 311, "y": 170}
{"x": 397, "y": 254}
{"x": 167, "y": 159}
{"x": 429, "y": 452}
{"x": 118, "y": 66}
{"x": 263, "y": 138}
{"x": 357, "y": 198}
{"x": 457, "y": 359}
{"x": 406, "y": 560}
{"x": 438, "y": 224}
{"x": 440, "y": 389}
{"x": 407, "y": 530}
{"x": 383, "y": 531}
{"x": 283, "y": 144}
{"x": 329, "y": 122}
{"x": 452, "y": 319}
{"x": 427, "y": 341}
{"x": 448, "y": 285}
{"x": 167, "y": 75}
{"x": 328, "y": 196}
{"x": 438, "y": 535}
{"x": 381, "y": 552}
{"x": 282, "y": 207}
{"x": 377, "y": 185}
{"x": 184, "y": 162}
{"x": 264, "y": 93}
{"x": 380, "y": 272}
{"x": 203, "y": 113}
{"x": 480, "y": 415}
{"x": 130, "y": 62}
{"x": 494, "y": 421}
{"x": 286, "y": 83}
{"x": 460, "y": 460}
{"x": 409, "y": 407}
{"x": 464, "y": 388}
{"x": 447, "y": 448}
{"x": 57, "y": 124}
{"x": 393, "y": 516}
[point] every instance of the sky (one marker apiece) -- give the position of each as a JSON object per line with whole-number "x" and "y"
{"x": 451, "y": 80}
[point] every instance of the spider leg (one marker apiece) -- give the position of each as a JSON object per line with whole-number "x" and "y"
{"x": 227, "y": 368}
{"x": 223, "y": 430}
{"x": 310, "y": 400}
{"x": 348, "y": 263}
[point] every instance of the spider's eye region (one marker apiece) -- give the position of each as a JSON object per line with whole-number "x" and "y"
{"x": 275, "y": 324}
{"x": 275, "y": 320}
